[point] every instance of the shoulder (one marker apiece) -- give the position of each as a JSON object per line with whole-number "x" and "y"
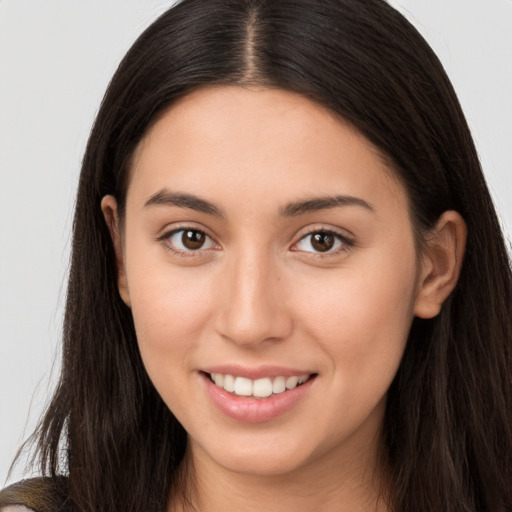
{"x": 43, "y": 494}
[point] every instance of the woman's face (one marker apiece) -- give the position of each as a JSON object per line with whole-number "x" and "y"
{"x": 266, "y": 242}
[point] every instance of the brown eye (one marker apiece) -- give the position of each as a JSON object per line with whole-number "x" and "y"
{"x": 188, "y": 240}
{"x": 192, "y": 239}
{"x": 323, "y": 242}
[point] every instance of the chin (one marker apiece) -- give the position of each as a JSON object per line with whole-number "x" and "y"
{"x": 257, "y": 458}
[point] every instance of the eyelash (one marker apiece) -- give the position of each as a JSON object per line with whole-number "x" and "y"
{"x": 166, "y": 240}
{"x": 344, "y": 242}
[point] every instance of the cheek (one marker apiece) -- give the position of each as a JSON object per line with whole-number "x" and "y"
{"x": 362, "y": 316}
{"x": 170, "y": 310}
{"x": 170, "y": 307}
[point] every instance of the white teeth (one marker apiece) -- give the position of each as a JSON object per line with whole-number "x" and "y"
{"x": 219, "y": 379}
{"x": 291, "y": 382}
{"x": 279, "y": 385}
{"x": 229, "y": 383}
{"x": 259, "y": 388}
{"x": 262, "y": 388}
{"x": 243, "y": 386}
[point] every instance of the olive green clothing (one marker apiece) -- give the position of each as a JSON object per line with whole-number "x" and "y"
{"x": 36, "y": 494}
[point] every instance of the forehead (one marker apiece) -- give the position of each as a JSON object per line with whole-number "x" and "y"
{"x": 254, "y": 142}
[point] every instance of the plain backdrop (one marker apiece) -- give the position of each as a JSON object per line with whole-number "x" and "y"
{"x": 56, "y": 58}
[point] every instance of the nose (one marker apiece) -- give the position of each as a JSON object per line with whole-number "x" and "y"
{"x": 253, "y": 305}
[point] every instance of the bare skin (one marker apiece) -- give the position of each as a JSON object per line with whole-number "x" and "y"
{"x": 263, "y": 234}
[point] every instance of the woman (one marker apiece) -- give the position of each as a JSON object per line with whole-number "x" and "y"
{"x": 288, "y": 286}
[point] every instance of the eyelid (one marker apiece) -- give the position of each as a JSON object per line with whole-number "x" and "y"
{"x": 179, "y": 226}
{"x": 348, "y": 240}
{"x": 169, "y": 231}
{"x": 324, "y": 228}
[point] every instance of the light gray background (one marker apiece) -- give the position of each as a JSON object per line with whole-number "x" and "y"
{"x": 56, "y": 57}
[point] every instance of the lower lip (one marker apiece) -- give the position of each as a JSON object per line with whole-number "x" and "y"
{"x": 255, "y": 410}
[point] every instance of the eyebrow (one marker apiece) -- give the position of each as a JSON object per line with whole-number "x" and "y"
{"x": 183, "y": 200}
{"x": 167, "y": 198}
{"x": 322, "y": 203}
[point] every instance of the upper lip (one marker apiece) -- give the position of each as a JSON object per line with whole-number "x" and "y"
{"x": 257, "y": 372}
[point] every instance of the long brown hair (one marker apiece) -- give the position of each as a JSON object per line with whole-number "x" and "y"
{"x": 448, "y": 426}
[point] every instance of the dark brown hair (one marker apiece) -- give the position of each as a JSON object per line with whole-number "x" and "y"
{"x": 448, "y": 426}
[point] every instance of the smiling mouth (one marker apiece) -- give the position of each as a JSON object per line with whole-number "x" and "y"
{"x": 259, "y": 388}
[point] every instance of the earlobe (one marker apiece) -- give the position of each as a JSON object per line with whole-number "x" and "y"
{"x": 110, "y": 213}
{"x": 441, "y": 264}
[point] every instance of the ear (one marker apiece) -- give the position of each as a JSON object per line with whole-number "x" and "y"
{"x": 109, "y": 209}
{"x": 441, "y": 264}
